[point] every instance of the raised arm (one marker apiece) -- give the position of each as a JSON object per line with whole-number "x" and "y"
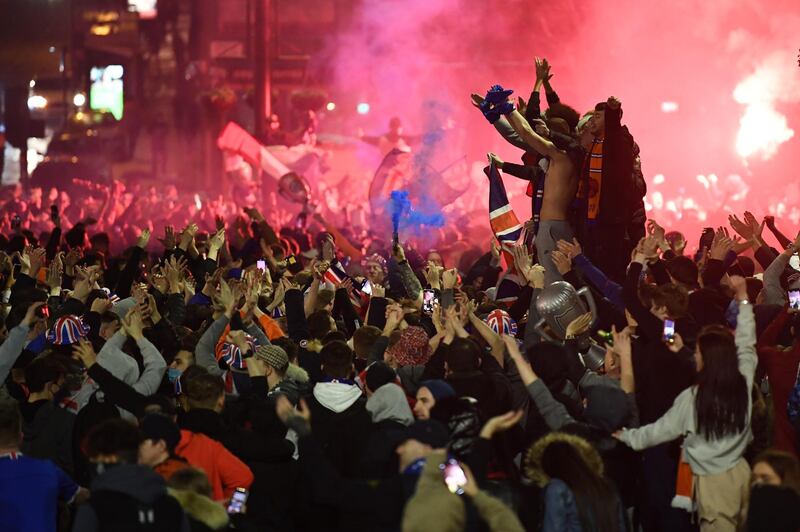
{"x": 204, "y": 352}
{"x": 532, "y": 139}
{"x": 769, "y": 221}
{"x": 773, "y": 290}
{"x": 12, "y": 347}
{"x": 554, "y": 413}
{"x": 745, "y": 331}
{"x": 673, "y": 424}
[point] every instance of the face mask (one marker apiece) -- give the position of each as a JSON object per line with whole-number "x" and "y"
{"x": 173, "y": 374}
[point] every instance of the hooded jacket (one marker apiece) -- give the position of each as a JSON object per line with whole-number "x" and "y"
{"x": 202, "y": 512}
{"x": 560, "y": 508}
{"x": 111, "y": 491}
{"x": 47, "y": 433}
{"x": 340, "y": 420}
{"x": 388, "y": 403}
{"x": 391, "y": 415}
{"x": 225, "y": 472}
{"x": 434, "y": 509}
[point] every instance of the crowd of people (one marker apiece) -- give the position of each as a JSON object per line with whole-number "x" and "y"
{"x": 254, "y": 374}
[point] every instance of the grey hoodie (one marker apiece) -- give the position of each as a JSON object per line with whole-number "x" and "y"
{"x": 389, "y": 403}
{"x": 122, "y": 366}
{"x": 137, "y": 481}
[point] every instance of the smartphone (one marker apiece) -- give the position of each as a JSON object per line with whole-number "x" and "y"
{"x": 238, "y": 500}
{"x": 261, "y": 265}
{"x": 54, "y": 211}
{"x": 429, "y": 299}
{"x": 669, "y": 331}
{"x": 366, "y": 287}
{"x": 794, "y": 300}
{"x": 16, "y": 222}
{"x": 454, "y": 477}
{"x": 43, "y": 312}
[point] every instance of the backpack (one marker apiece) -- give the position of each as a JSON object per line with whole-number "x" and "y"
{"x": 119, "y": 512}
{"x": 793, "y": 405}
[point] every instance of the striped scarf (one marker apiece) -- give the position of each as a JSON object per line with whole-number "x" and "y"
{"x": 595, "y": 181}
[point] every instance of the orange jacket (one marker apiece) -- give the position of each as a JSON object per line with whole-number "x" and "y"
{"x": 166, "y": 468}
{"x": 225, "y": 472}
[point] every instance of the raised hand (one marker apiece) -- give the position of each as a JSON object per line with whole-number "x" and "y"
{"x": 54, "y": 276}
{"x": 500, "y": 423}
{"x": 152, "y": 309}
{"x": 84, "y": 352}
{"x": 579, "y": 325}
{"x": 378, "y": 291}
{"x": 101, "y": 305}
{"x": 570, "y": 249}
{"x": 758, "y": 228}
{"x": 622, "y": 341}
{"x": 650, "y": 248}
{"x": 542, "y": 70}
{"x": 449, "y": 279}
{"x": 476, "y": 100}
{"x": 285, "y": 410}
{"x": 394, "y": 316}
{"x": 72, "y": 258}
{"x": 133, "y": 325}
{"x": 174, "y": 271}
{"x": 169, "y": 238}
{"x": 30, "y": 314}
{"x": 721, "y": 244}
{"x": 36, "y": 259}
{"x": 225, "y": 298}
{"x": 144, "y": 238}
{"x": 239, "y": 339}
{"x": 187, "y": 236}
{"x": 562, "y": 262}
{"x": 521, "y": 105}
{"x": 493, "y": 158}
{"x": 655, "y": 230}
{"x": 328, "y": 249}
{"x": 744, "y": 230}
{"x": 433, "y": 275}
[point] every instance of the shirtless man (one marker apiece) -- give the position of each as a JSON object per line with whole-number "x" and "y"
{"x": 561, "y": 184}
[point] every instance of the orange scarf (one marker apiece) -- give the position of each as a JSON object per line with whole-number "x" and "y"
{"x": 595, "y": 179}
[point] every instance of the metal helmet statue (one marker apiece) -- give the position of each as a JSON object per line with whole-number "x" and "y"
{"x": 559, "y": 304}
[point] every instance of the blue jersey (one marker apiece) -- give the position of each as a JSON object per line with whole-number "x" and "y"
{"x": 29, "y": 493}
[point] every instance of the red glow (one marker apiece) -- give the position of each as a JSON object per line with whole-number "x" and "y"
{"x": 729, "y": 67}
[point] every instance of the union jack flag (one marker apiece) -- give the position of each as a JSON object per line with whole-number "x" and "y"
{"x": 232, "y": 355}
{"x": 507, "y": 229}
{"x": 335, "y": 275}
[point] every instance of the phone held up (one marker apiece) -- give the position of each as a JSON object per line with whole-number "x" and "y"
{"x": 429, "y": 300}
{"x": 669, "y": 331}
{"x": 794, "y": 300}
{"x": 453, "y": 475}
{"x": 238, "y": 501}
